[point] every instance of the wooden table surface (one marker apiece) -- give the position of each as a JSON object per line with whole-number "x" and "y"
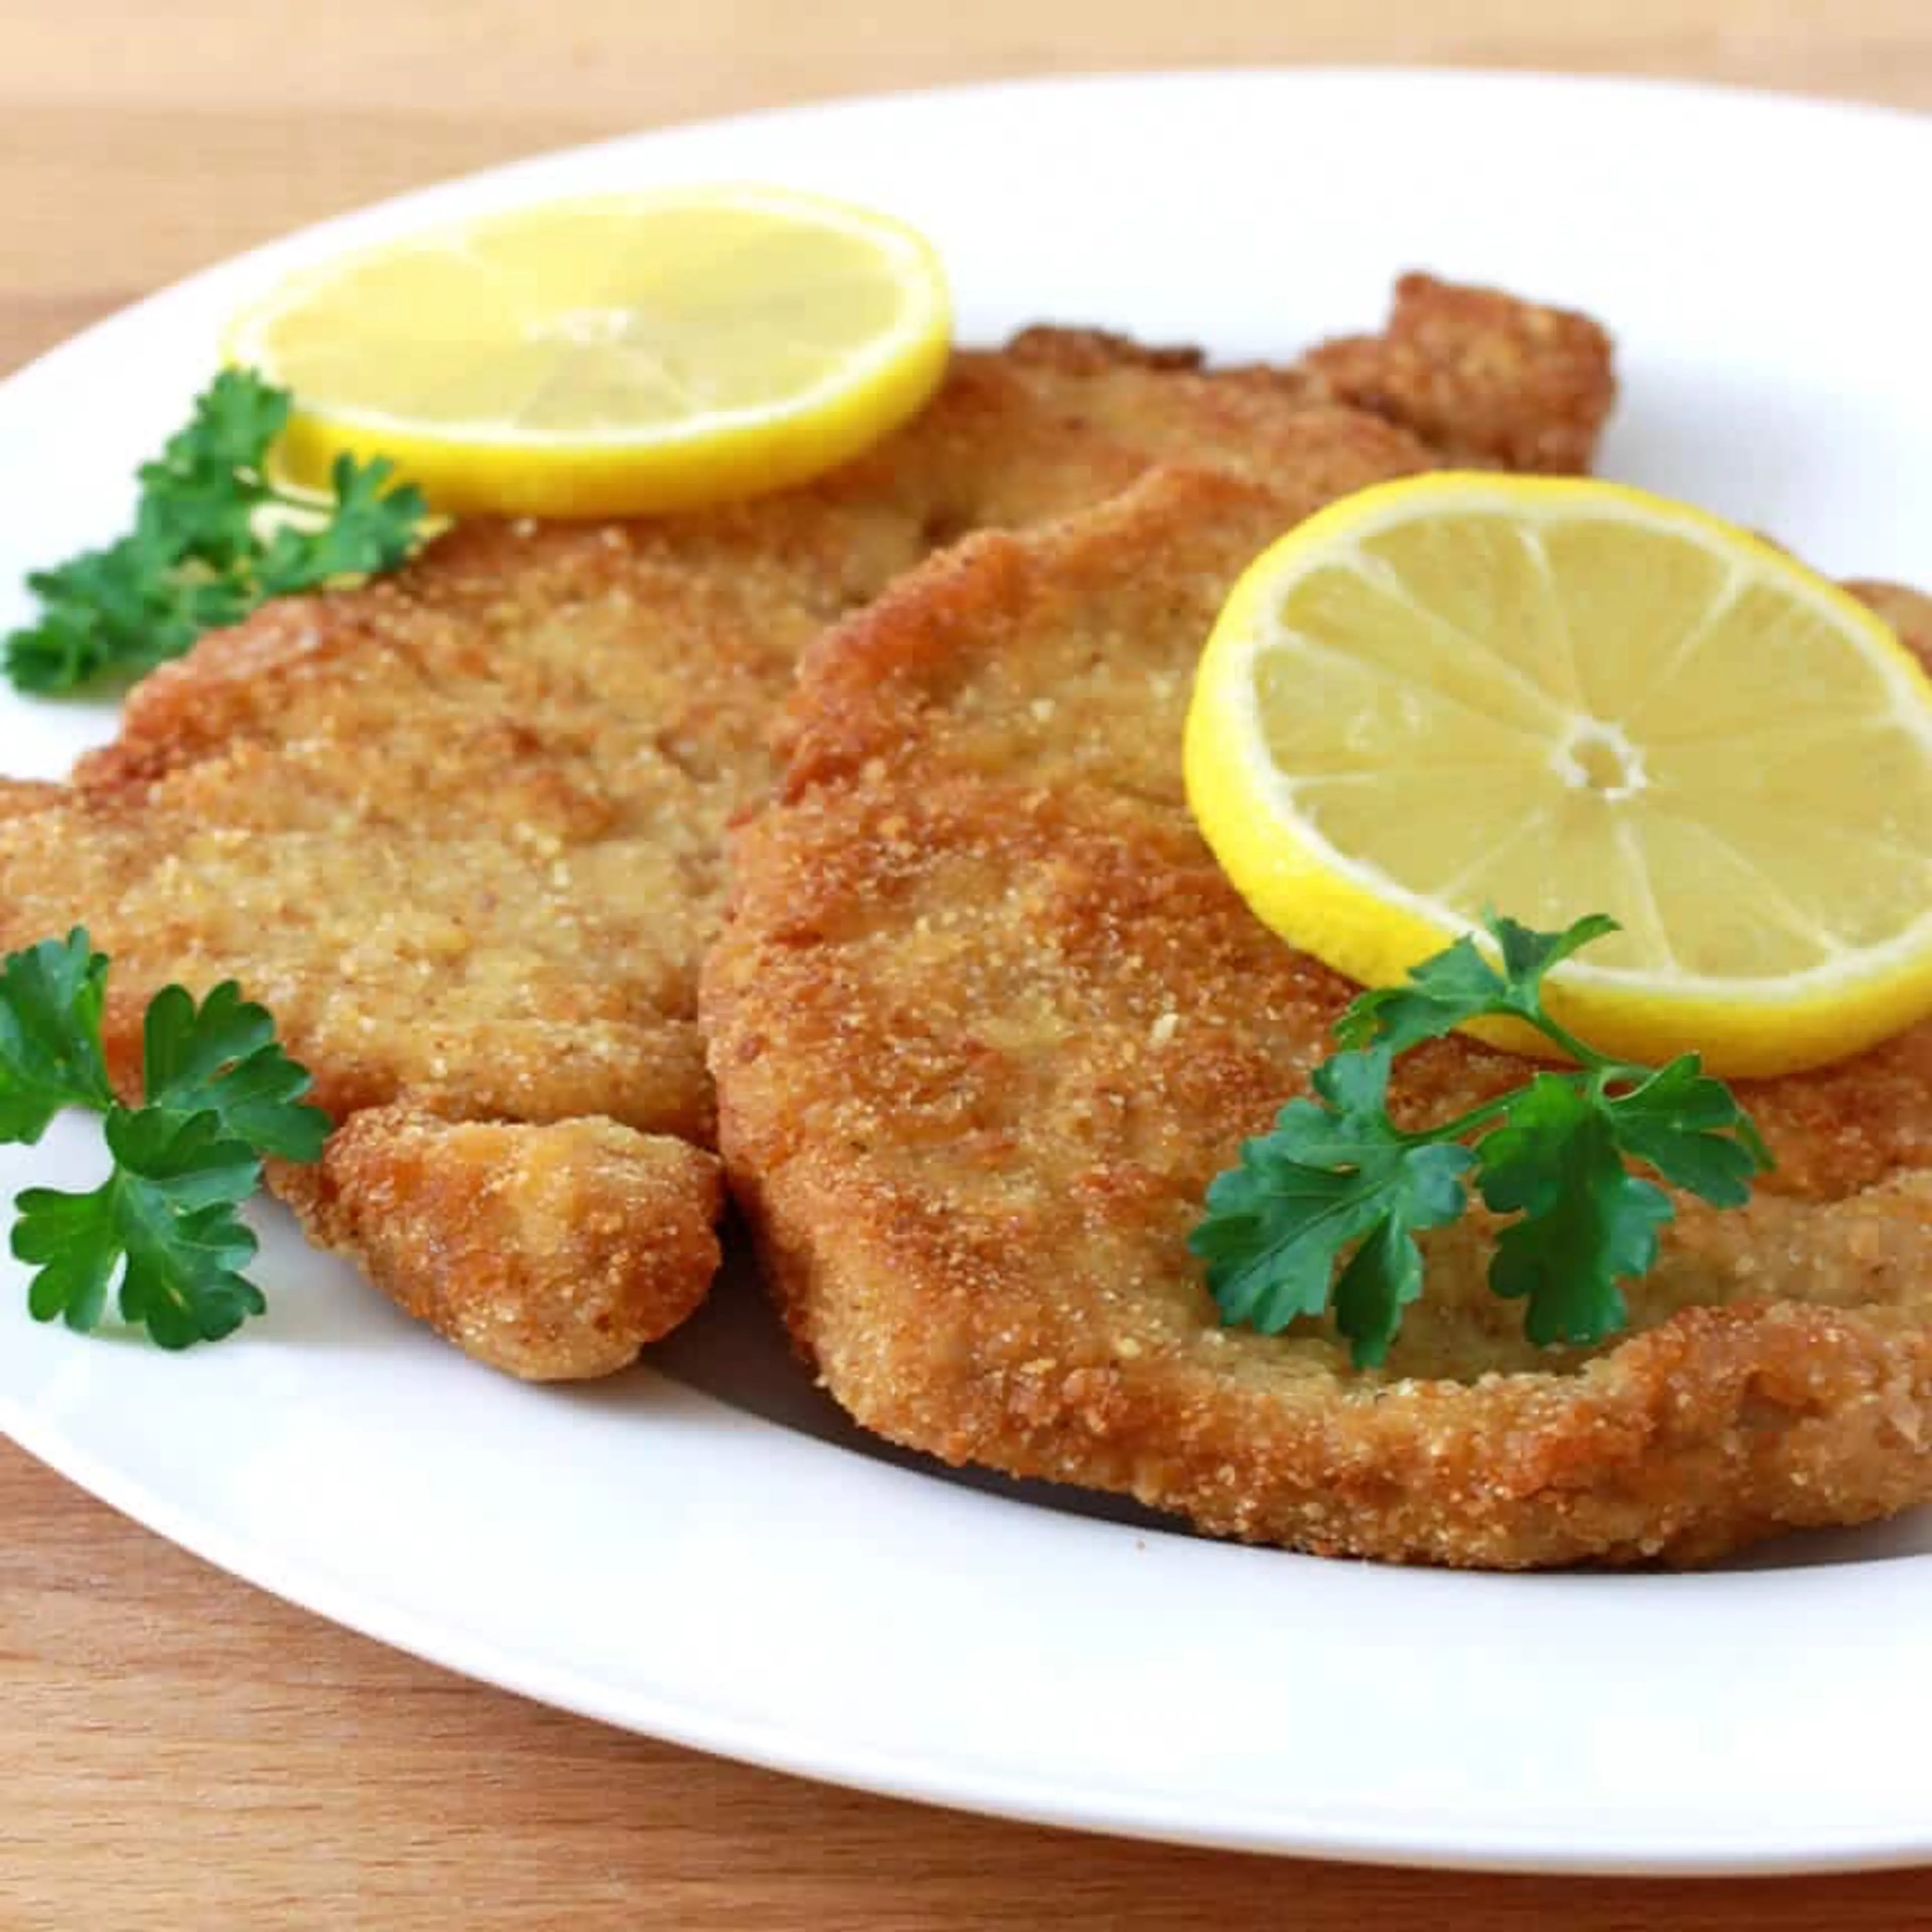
{"x": 178, "y": 1750}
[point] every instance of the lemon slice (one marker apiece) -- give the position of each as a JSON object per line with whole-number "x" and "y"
{"x": 1460, "y": 692}
{"x": 623, "y": 354}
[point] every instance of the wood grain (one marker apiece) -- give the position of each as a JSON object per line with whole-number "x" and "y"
{"x": 172, "y": 1736}
{"x": 179, "y": 1751}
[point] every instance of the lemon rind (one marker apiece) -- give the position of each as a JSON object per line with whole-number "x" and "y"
{"x": 1361, "y": 922}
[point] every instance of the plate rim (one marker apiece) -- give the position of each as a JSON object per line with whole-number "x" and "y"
{"x": 1043, "y": 1802}
{"x": 1746, "y": 96}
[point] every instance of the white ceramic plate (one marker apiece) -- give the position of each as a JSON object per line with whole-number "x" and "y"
{"x": 702, "y": 1551}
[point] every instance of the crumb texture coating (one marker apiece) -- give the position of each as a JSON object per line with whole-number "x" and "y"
{"x": 461, "y": 829}
{"x": 986, "y": 1018}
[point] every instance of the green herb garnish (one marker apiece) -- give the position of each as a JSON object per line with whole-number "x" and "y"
{"x": 220, "y": 1095}
{"x": 1328, "y": 1205}
{"x": 198, "y": 556}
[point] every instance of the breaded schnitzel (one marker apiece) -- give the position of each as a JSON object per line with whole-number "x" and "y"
{"x": 986, "y": 1018}
{"x": 461, "y": 829}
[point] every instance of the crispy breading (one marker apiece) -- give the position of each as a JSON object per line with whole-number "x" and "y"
{"x": 986, "y": 1018}
{"x": 909, "y": 684}
{"x": 551, "y": 1251}
{"x": 1489, "y": 381}
{"x": 461, "y": 829}
{"x": 1909, "y": 612}
{"x": 20, "y": 796}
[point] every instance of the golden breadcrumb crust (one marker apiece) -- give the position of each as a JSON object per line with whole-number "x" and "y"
{"x": 551, "y": 1252}
{"x": 986, "y": 1018}
{"x": 462, "y": 830}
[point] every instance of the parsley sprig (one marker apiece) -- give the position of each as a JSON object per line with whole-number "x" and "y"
{"x": 1326, "y": 1206}
{"x": 219, "y": 1096}
{"x": 199, "y": 555}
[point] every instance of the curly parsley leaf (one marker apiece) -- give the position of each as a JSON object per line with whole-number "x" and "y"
{"x": 1691, "y": 1129}
{"x": 1334, "y": 1172}
{"x": 372, "y": 528}
{"x": 164, "y": 1222}
{"x": 235, "y": 422}
{"x": 1323, "y": 1210}
{"x": 1586, "y": 1221}
{"x": 51, "y": 997}
{"x": 1459, "y": 985}
{"x": 197, "y": 557}
{"x": 199, "y": 497}
{"x": 162, "y": 1235}
{"x": 223, "y": 1059}
{"x": 120, "y": 611}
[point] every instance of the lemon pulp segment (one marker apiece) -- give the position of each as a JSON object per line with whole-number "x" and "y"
{"x": 1549, "y": 697}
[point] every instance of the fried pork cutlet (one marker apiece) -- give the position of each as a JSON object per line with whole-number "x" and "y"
{"x": 1492, "y": 382}
{"x": 461, "y": 829}
{"x": 986, "y": 1018}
